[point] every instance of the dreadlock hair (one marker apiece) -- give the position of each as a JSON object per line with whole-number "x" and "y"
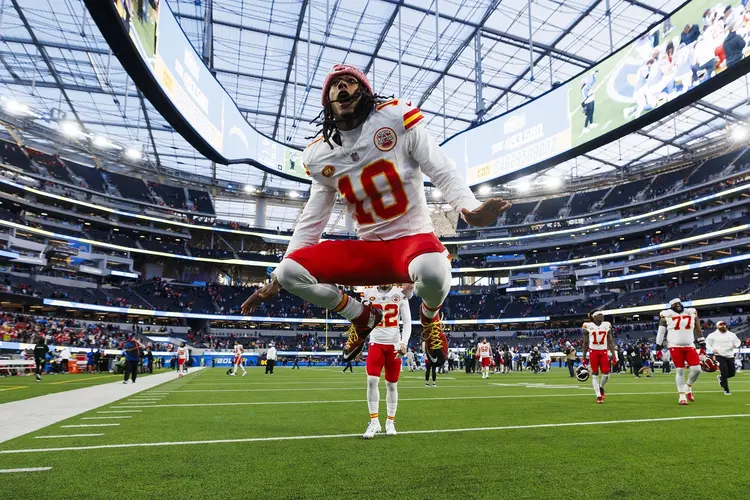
{"x": 327, "y": 122}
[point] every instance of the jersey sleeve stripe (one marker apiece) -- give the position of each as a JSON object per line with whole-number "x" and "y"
{"x": 393, "y": 102}
{"x": 413, "y": 120}
{"x": 411, "y": 113}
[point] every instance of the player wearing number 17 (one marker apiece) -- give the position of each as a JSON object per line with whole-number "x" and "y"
{"x": 597, "y": 339}
{"x": 374, "y": 153}
{"x": 681, "y": 327}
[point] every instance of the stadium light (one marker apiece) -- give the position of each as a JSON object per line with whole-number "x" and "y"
{"x": 523, "y": 186}
{"x": 16, "y": 108}
{"x": 70, "y": 129}
{"x": 293, "y": 194}
{"x": 249, "y": 188}
{"x": 436, "y": 193}
{"x": 739, "y": 133}
{"x": 102, "y": 142}
{"x": 485, "y": 190}
{"x": 553, "y": 182}
{"x": 133, "y": 154}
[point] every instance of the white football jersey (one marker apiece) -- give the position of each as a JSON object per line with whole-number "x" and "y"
{"x": 680, "y": 326}
{"x": 484, "y": 350}
{"x": 378, "y": 170}
{"x": 394, "y": 306}
{"x": 182, "y": 353}
{"x": 238, "y": 350}
{"x": 597, "y": 334}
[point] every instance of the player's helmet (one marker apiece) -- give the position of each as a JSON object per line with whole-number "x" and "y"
{"x": 709, "y": 365}
{"x": 676, "y": 305}
{"x": 582, "y": 373}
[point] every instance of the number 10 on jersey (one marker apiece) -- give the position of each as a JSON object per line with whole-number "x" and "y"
{"x": 367, "y": 180}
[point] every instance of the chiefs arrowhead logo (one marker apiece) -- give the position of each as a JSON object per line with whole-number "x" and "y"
{"x": 385, "y": 139}
{"x": 328, "y": 171}
{"x": 396, "y": 298}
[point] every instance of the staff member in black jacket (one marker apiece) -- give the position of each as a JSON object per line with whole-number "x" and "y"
{"x": 40, "y": 357}
{"x": 132, "y": 350}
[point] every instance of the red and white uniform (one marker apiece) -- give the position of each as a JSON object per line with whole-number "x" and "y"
{"x": 182, "y": 355}
{"x": 379, "y": 172}
{"x": 238, "y": 350}
{"x": 598, "y": 336}
{"x": 680, "y": 336}
{"x": 385, "y": 338}
{"x": 484, "y": 352}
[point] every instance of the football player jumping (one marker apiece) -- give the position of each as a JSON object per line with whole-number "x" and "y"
{"x": 597, "y": 339}
{"x": 682, "y": 327}
{"x": 387, "y": 346}
{"x": 374, "y": 153}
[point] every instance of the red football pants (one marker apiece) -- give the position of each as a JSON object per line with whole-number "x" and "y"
{"x": 383, "y": 355}
{"x": 358, "y": 262}
{"x": 599, "y": 360}
{"x": 680, "y": 355}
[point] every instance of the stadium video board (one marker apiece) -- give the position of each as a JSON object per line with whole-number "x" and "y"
{"x": 188, "y": 84}
{"x": 695, "y": 50}
{"x": 698, "y": 41}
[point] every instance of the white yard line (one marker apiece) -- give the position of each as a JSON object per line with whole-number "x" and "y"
{"x": 32, "y": 414}
{"x": 88, "y": 425}
{"x": 452, "y": 398}
{"x": 120, "y": 411}
{"x": 68, "y": 436}
{"x": 336, "y": 436}
{"x": 30, "y": 469}
{"x": 102, "y": 418}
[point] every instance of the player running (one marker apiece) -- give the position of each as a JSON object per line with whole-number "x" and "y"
{"x": 238, "y": 351}
{"x": 484, "y": 353}
{"x": 374, "y": 153}
{"x": 387, "y": 346}
{"x": 682, "y": 327}
{"x": 183, "y": 355}
{"x": 597, "y": 338}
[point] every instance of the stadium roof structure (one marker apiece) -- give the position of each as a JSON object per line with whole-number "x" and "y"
{"x": 272, "y": 57}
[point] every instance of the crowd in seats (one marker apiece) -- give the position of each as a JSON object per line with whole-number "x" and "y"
{"x": 129, "y": 187}
{"x": 172, "y": 197}
{"x": 13, "y": 155}
{"x": 550, "y": 208}
{"x": 91, "y": 175}
{"x": 582, "y": 202}
{"x": 67, "y": 332}
{"x": 160, "y": 246}
{"x": 200, "y": 201}
{"x": 707, "y": 170}
{"x": 53, "y": 165}
{"x": 624, "y": 194}
{"x": 517, "y": 213}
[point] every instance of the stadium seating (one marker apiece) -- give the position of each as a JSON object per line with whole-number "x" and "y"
{"x": 129, "y": 187}
{"x": 92, "y": 176}
{"x": 582, "y": 202}
{"x": 549, "y": 208}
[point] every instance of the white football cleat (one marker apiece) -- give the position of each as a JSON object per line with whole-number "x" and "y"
{"x": 372, "y": 428}
{"x": 233, "y": 374}
{"x": 390, "y": 428}
{"x": 244, "y": 373}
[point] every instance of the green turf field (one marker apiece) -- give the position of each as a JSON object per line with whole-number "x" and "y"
{"x": 15, "y": 388}
{"x": 297, "y": 435}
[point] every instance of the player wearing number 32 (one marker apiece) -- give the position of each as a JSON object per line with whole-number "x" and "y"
{"x": 597, "y": 339}
{"x": 374, "y": 153}
{"x": 682, "y": 327}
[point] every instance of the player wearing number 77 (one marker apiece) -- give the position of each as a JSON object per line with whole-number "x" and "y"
{"x": 374, "y": 153}
{"x": 597, "y": 339}
{"x": 681, "y": 327}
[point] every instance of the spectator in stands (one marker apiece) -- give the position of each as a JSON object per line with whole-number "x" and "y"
{"x": 734, "y": 44}
{"x": 690, "y": 33}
